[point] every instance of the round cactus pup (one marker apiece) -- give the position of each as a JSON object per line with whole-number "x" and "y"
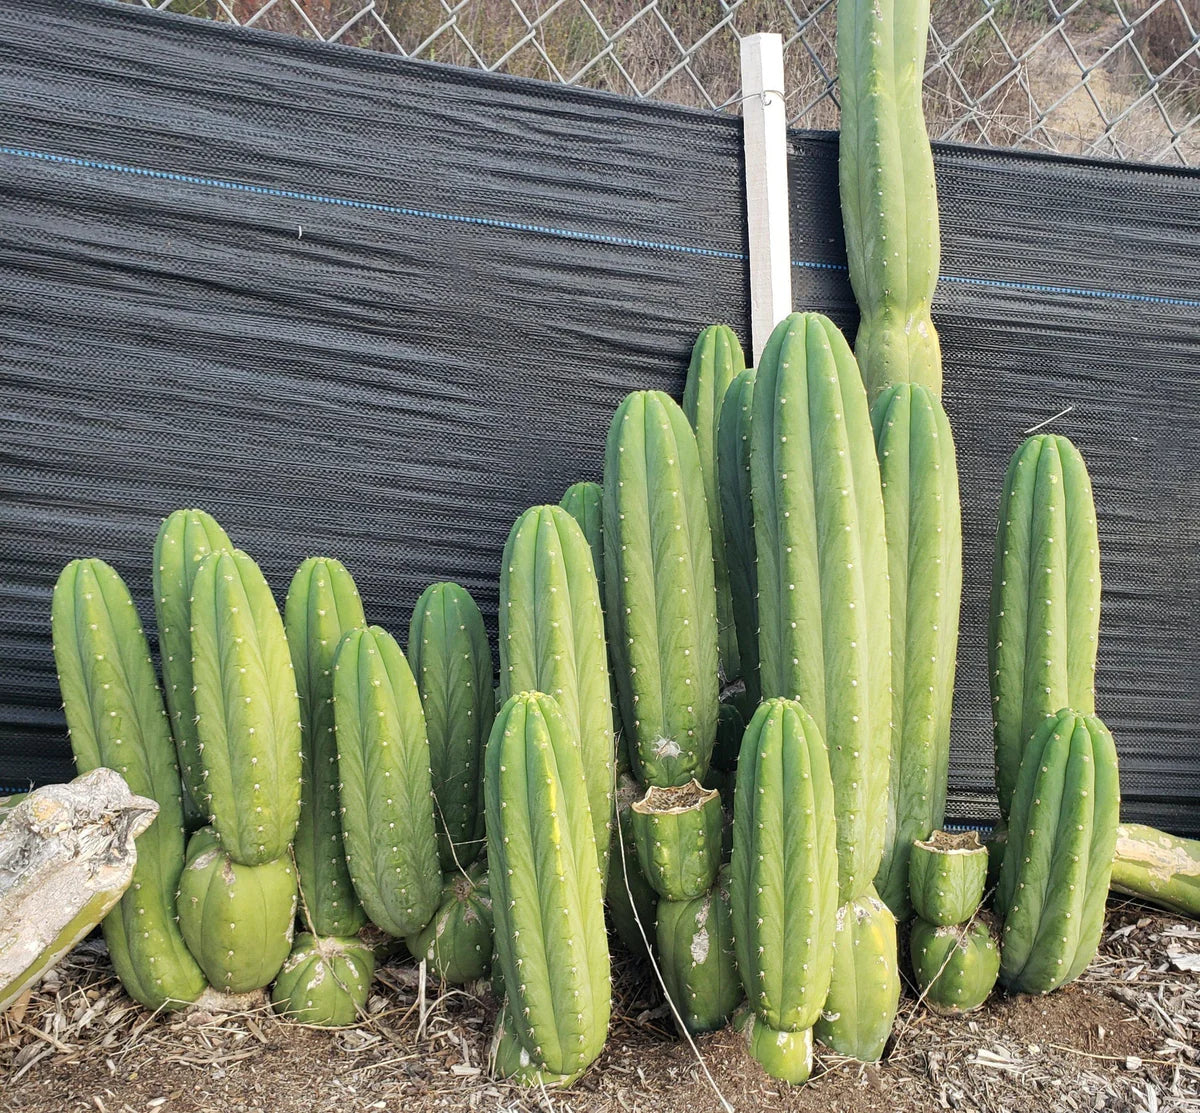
{"x": 955, "y": 966}
{"x": 457, "y": 943}
{"x": 324, "y": 982}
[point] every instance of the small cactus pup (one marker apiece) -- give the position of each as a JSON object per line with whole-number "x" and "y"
{"x": 552, "y": 641}
{"x": 864, "y": 991}
{"x": 955, "y": 965}
{"x": 1062, "y": 832}
{"x": 452, "y": 665}
{"x": 661, "y": 600}
{"x": 185, "y": 538}
{"x": 116, "y": 720}
{"x": 946, "y": 876}
{"x": 630, "y": 897}
{"x": 1045, "y": 607}
{"x": 322, "y": 604}
{"x": 247, "y": 709}
{"x": 678, "y": 836}
{"x": 551, "y": 946}
{"x": 386, "y": 788}
{"x": 325, "y": 981}
{"x": 924, "y": 542}
{"x": 237, "y": 920}
{"x": 824, "y": 635}
{"x": 889, "y": 201}
{"x": 695, "y": 948}
{"x": 457, "y": 943}
{"x": 737, "y": 520}
{"x": 716, "y": 358}
{"x": 783, "y": 883}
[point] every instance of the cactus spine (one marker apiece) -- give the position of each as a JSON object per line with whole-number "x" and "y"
{"x": 552, "y": 641}
{"x": 322, "y": 604}
{"x": 924, "y": 540}
{"x": 783, "y": 890}
{"x": 1061, "y": 836}
{"x": 185, "y": 538}
{"x": 325, "y": 981}
{"x": 115, "y": 719}
{"x": 550, "y": 940}
{"x": 1045, "y": 610}
{"x": 452, "y": 665}
{"x": 889, "y": 200}
{"x": 716, "y": 358}
{"x": 661, "y": 599}
{"x": 824, "y": 636}
{"x": 386, "y": 787}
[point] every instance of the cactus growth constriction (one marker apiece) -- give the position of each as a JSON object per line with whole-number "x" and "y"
{"x": 322, "y": 604}
{"x": 115, "y": 719}
{"x": 661, "y": 600}
{"x": 452, "y": 665}
{"x": 824, "y": 635}
{"x": 1045, "y": 607}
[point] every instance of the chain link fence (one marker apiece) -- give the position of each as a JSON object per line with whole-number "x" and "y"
{"x": 1111, "y": 78}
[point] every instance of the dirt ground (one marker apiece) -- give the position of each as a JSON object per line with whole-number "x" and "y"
{"x": 1125, "y": 1038}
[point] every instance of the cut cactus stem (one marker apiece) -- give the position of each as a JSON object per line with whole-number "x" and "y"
{"x": 325, "y": 981}
{"x": 946, "y": 876}
{"x": 678, "y": 836}
{"x": 1158, "y": 868}
{"x": 955, "y": 965}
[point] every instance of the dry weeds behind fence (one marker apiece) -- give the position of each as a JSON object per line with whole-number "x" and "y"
{"x": 1111, "y": 78}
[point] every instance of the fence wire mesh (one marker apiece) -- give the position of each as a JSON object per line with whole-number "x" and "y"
{"x": 1113, "y": 78}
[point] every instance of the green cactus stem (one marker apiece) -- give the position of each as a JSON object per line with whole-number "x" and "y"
{"x": 116, "y": 719}
{"x": 452, "y": 665}
{"x": 787, "y": 1056}
{"x": 661, "y": 599}
{"x": 457, "y": 943}
{"x": 1045, "y": 608}
{"x": 955, "y": 966}
{"x": 678, "y": 835}
{"x": 824, "y": 635}
{"x": 386, "y": 788}
{"x": 322, "y": 604}
{"x": 185, "y": 538}
{"x": 946, "y": 876}
{"x": 889, "y": 200}
{"x": 325, "y": 981}
{"x": 924, "y": 541}
{"x": 1158, "y": 868}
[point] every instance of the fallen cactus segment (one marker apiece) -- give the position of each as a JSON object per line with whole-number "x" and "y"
{"x": 1158, "y": 868}
{"x": 551, "y": 945}
{"x": 386, "y": 790}
{"x": 955, "y": 965}
{"x": 1044, "y": 628}
{"x": 452, "y": 665}
{"x": 322, "y": 604}
{"x": 1057, "y": 865}
{"x": 325, "y": 981}
{"x": 116, "y": 719}
{"x": 946, "y": 876}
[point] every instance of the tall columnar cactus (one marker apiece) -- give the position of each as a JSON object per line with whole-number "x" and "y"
{"x": 550, "y": 940}
{"x": 924, "y": 540}
{"x": 452, "y": 665}
{"x": 386, "y": 788}
{"x": 824, "y": 635}
{"x": 1057, "y": 865}
{"x": 889, "y": 200}
{"x": 115, "y": 719}
{"x": 185, "y": 538}
{"x": 783, "y": 888}
{"x": 322, "y": 604}
{"x": 1045, "y": 612}
{"x": 247, "y": 709}
{"x": 737, "y": 515}
{"x": 661, "y": 599}
{"x": 716, "y": 358}
{"x": 552, "y": 641}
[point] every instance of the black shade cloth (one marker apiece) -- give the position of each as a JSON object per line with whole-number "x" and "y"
{"x": 373, "y": 308}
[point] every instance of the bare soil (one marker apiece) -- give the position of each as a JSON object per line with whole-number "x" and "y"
{"x": 1125, "y": 1038}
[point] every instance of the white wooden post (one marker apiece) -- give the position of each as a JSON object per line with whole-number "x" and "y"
{"x": 765, "y": 146}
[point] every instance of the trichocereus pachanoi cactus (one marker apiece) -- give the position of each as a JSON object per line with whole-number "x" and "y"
{"x": 1044, "y": 626}
{"x": 919, "y": 476}
{"x": 322, "y": 604}
{"x": 452, "y": 664}
{"x": 457, "y": 943}
{"x": 185, "y": 538}
{"x": 1062, "y": 832}
{"x": 386, "y": 786}
{"x": 783, "y": 884}
{"x": 544, "y": 876}
{"x": 116, "y": 719}
{"x": 946, "y": 876}
{"x": 888, "y": 194}
{"x": 552, "y": 641}
{"x": 324, "y": 981}
{"x": 955, "y": 965}
{"x": 247, "y": 709}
